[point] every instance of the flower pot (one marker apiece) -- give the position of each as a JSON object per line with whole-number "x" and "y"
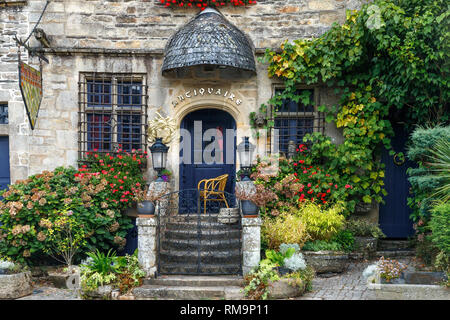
{"x": 249, "y": 208}
{"x": 146, "y": 208}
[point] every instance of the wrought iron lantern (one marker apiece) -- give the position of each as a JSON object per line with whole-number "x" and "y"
{"x": 246, "y": 149}
{"x": 159, "y": 157}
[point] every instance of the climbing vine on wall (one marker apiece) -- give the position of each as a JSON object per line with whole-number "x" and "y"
{"x": 389, "y": 57}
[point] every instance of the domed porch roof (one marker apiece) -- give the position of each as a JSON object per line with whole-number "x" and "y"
{"x": 209, "y": 39}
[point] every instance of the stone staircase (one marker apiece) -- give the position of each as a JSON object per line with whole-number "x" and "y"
{"x": 191, "y": 288}
{"x": 185, "y": 238}
{"x": 394, "y": 249}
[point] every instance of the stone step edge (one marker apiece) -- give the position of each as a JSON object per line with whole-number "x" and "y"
{"x": 187, "y": 292}
{"x": 394, "y": 253}
{"x": 195, "y": 281}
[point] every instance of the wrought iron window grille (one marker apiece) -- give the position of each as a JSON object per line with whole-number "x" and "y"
{"x": 294, "y": 120}
{"x": 112, "y": 113}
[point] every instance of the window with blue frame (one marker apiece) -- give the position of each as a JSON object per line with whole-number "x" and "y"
{"x": 112, "y": 113}
{"x": 4, "y": 113}
{"x": 293, "y": 120}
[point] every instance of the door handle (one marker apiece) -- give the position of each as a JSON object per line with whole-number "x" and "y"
{"x": 399, "y": 159}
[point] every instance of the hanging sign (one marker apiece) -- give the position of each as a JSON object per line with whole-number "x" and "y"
{"x": 30, "y": 81}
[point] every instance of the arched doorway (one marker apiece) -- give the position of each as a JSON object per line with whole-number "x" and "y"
{"x": 210, "y": 157}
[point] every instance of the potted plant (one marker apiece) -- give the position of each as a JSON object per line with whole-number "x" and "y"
{"x": 166, "y": 175}
{"x": 148, "y": 197}
{"x": 15, "y": 280}
{"x": 253, "y": 197}
{"x": 366, "y": 235}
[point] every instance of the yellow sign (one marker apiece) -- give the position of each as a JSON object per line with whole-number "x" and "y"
{"x": 31, "y": 88}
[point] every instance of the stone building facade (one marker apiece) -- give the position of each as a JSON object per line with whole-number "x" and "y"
{"x": 130, "y": 37}
{"x": 104, "y": 80}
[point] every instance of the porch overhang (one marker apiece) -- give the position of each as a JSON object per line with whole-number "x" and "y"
{"x": 209, "y": 44}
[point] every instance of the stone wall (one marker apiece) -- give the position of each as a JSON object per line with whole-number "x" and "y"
{"x": 14, "y": 19}
{"x": 129, "y": 36}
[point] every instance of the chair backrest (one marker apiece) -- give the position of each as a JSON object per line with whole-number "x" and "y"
{"x": 215, "y": 184}
{"x": 222, "y": 182}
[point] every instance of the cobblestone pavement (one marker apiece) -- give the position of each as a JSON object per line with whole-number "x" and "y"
{"x": 51, "y": 293}
{"x": 349, "y": 285}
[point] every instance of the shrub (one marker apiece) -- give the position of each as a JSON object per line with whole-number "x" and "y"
{"x": 257, "y": 281}
{"x": 296, "y": 262}
{"x": 440, "y": 227}
{"x": 321, "y": 245}
{"x": 346, "y": 240}
{"x": 321, "y": 224}
{"x": 30, "y": 207}
{"x": 65, "y": 238}
{"x": 302, "y": 276}
{"x": 424, "y": 180}
{"x": 364, "y": 228}
{"x": 294, "y": 181}
{"x": 286, "y": 228}
{"x": 278, "y": 258}
{"x": 102, "y": 269}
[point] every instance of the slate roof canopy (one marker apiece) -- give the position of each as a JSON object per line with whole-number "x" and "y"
{"x": 209, "y": 39}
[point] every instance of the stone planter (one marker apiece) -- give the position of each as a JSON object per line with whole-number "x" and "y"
{"x": 363, "y": 208}
{"x": 283, "y": 271}
{"x": 283, "y": 289}
{"x": 410, "y": 286}
{"x": 228, "y": 215}
{"x": 65, "y": 280}
{"x": 366, "y": 246}
{"x": 327, "y": 261}
{"x": 17, "y": 285}
{"x": 102, "y": 293}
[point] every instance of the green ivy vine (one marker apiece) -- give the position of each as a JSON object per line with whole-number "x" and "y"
{"x": 389, "y": 57}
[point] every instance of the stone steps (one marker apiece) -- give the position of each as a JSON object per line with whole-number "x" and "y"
{"x": 392, "y": 245}
{"x": 203, "y": 225}
{"x": 192, "y": 244}
{"x": 395, "y": 254}
{"x": 207, "y": 235}
{"x": 394, "y": 249}
{"x": 197, "y": 281}
{"x": 206, "y": 256}
{"x": 205, "y": 269}
{"x": 186, "y": 237}
{"x": 190, "y": 288}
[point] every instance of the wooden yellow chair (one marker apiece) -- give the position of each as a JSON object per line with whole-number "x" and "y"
{"x": 213, "y": 190}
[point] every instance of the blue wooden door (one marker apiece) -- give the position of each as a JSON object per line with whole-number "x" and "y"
{"x": 4, "y": 162}
{"x": 191, "y": 173}
{"x": 394, "y": 214}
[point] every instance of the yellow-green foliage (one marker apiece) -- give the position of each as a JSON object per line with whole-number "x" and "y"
{"x": 321, "y": 224}
{"x": 286, "y": 228}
